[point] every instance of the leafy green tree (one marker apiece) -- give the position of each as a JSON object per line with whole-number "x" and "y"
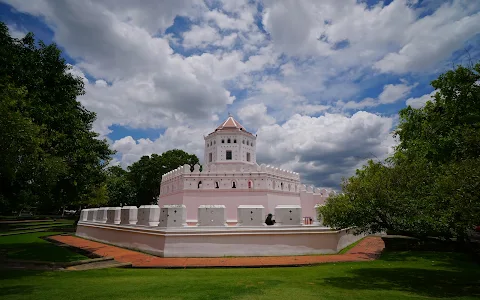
{"x": 120, "y": 189}
{"x": 146, "y": 174}
{"x": 448, "y": 127}
{"x": 68, "y": 160}
{"x": 429, "y": 187}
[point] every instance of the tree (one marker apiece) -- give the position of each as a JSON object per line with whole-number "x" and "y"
{"x": 447, "y": 128}
{"x": 120, "y": 189}
{"x": 68, "y": 160}
{"x": 146, "y": 174}
{"x": 429, "y": 187}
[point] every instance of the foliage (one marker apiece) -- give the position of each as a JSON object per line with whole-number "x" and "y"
{"x": 120, "y": 189}
{"x": 54, "y": 159}
{"x": 447, "y": 128}
{"x": 146, "y": 174}
{"x": 429, "y": 187}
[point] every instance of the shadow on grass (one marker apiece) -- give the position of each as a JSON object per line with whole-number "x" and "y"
{"x": 16, "y": 290}
{"x": 40, "y": 252}
{"x": 456, "y": 261}
{"x": 428, "y": 274}
{"x": 17, "y": 276}
{"x": 423, "y": 282}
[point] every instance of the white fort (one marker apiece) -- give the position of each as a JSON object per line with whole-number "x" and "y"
{"x": 220, "y": 210}
{"x": 231, "y": 177}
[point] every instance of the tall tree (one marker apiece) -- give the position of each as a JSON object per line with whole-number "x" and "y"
{"x": 70, "y": 151}
{"x": 448, "y": 127}
{"x": 120, "y": 189}
{"x": 429, "y": 187}
{"x": 146, "y": 174}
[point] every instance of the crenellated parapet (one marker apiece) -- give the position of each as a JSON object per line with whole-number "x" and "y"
{"x": 236, "y": 176}
{"x": 215, "y": 169}
{"x": 208, "y": 215}
{"x": 227, "y": 176}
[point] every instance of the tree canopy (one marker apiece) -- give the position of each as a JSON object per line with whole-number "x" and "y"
{"x": 146, "y": 174}
{"x": 429, "y": 186}
{"x": 53, "y": 157}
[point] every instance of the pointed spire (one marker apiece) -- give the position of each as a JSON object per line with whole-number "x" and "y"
{"x": 230, "y": 123}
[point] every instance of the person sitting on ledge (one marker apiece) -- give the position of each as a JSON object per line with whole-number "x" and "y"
{"x": 269, "y": 220}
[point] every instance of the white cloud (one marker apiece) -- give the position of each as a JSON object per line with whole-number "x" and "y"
{"x": 310, "y": 58}
{"x": 391, "y": 93}
{"x": 322, "y": 149}
{"x": 394, "y": 92}
{"x": 325, "y": 148}
{"x": 186, "y": 138}
{"x": 433, "y": 38}
{"x": 200, "y": 36}
{"x": 15, "y": 31}
{"x": 255, "y": 115}
{"x": 420, "y": 101}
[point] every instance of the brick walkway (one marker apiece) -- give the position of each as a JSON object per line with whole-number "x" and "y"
{"x": 368, "y": 249}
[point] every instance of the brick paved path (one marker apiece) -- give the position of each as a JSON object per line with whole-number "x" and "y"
{"x": 368, "y": 249}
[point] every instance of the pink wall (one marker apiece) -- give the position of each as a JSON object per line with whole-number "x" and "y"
{"x": 226, "y": 241}
{"x": 231, "y": 199}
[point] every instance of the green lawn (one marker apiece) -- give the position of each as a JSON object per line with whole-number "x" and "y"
{"x": 34, "y": 225}
{"x": 397, "y": 275}
{"x": 30, "y": 246}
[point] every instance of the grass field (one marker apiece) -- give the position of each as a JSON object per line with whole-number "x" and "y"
{"x": 30, "y": 246}
{"x": 397, "y": 275}
{"x": 25, "y": 226}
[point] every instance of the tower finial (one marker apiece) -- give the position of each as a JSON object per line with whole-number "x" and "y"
{"x": 229, "y": 114}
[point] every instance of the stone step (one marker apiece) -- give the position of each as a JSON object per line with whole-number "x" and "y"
{"x": 99, "y": 265}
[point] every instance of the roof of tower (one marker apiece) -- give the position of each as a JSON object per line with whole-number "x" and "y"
{"x": 231, "y": 124}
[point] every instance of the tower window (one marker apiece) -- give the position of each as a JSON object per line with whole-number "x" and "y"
{"x": 228, "y": 155}
{"x": 243, "y": 142}
{"x": 199, "y": 184}
{"x": 228, "y": 141}
{"x": 251, "y": 145}
{"x": 223, "y": 141}
{"x": 210, "y": 156}
{"x": 216, "y": 185}
{"x": 248, "y": 156}
{"x": 234, "y": 141}
{"x": 247, "y": 143}
{"x": 234, "y": 186}
{"x": 214, "y": 142}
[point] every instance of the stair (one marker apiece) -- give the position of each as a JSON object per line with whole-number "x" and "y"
{"x": 99, "y": 265}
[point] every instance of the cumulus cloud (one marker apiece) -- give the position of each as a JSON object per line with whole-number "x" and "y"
{"x": 434, "y": 38}
{"x": 420, "y": 101}
{"x": 325, "y": 148}
{"x": 255, "y": 115}
{"x": 291, "y": 70}
{"x": 15, "y": 31}
{"x": 189, "y": 139}
{"x": 200, "y": 36}
{"x": 391, "y": 93}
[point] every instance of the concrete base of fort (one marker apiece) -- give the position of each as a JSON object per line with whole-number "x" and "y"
{"x": 219, "y": 241}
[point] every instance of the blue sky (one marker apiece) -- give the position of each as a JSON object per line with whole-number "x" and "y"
{"x": 321, "y": 82}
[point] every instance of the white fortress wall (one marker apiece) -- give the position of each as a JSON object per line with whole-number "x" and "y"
{"x": 233, "y": 185}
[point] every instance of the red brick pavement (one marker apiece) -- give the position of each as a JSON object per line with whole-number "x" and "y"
{"x": 368, "y": 249}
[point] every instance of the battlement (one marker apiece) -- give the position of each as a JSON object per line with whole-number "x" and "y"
{"x": 217, "y": 169}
